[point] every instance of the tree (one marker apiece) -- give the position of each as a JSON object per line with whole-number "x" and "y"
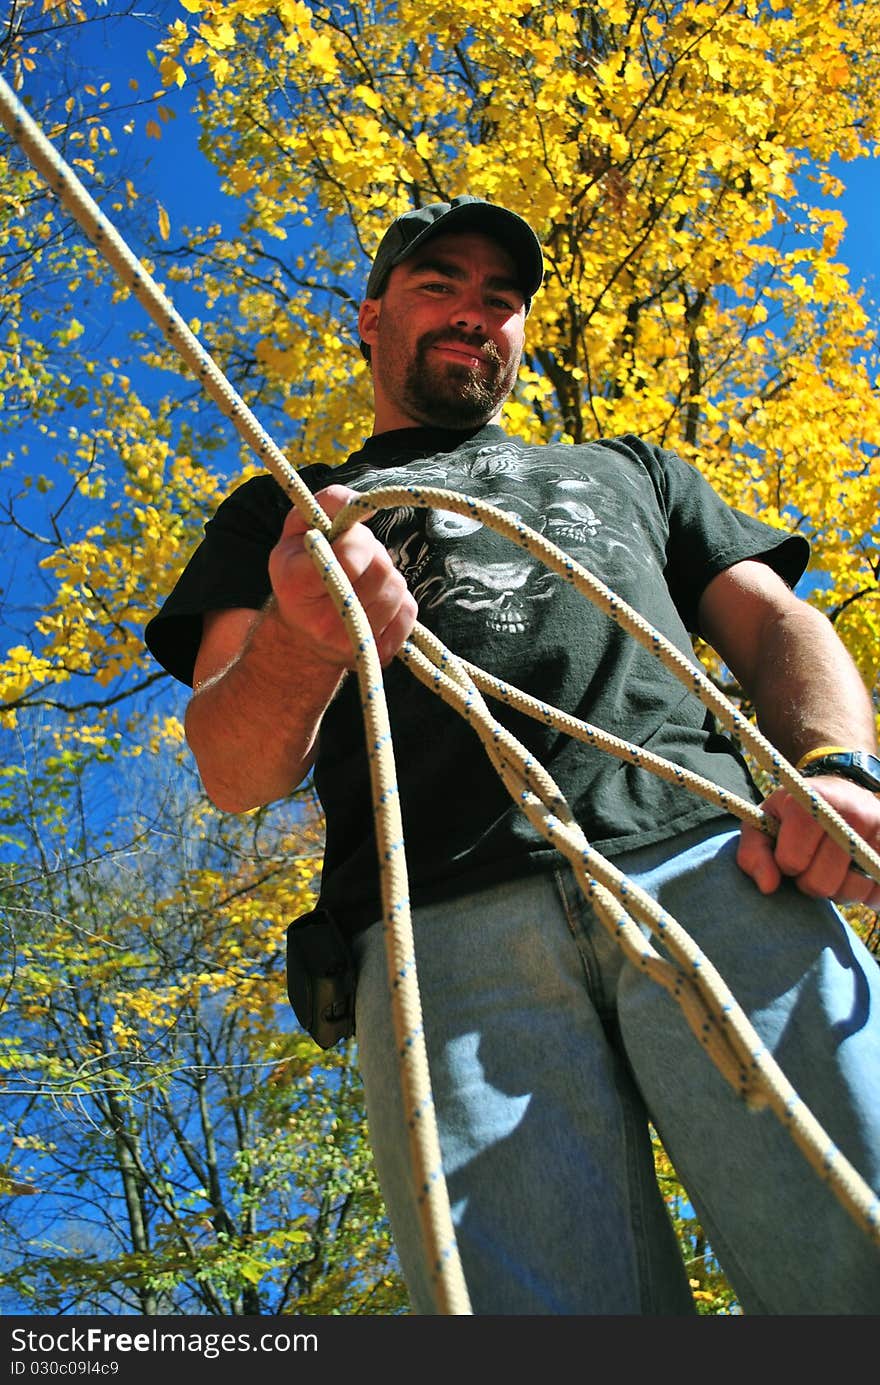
{"x": 171, "y": 1143}
{"x": 676, "y": 160}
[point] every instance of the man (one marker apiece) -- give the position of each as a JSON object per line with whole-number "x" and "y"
{"x": 549, "y": 1053}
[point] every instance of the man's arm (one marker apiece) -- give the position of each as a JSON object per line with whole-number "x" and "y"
{"x": 263, "y": 680}
{"x": 807, "y": 692}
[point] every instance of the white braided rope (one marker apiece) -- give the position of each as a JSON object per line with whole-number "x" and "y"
{"x": 707, "y": 1004}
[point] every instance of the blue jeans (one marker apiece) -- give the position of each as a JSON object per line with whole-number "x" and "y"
{"x": 549, "y": 1054}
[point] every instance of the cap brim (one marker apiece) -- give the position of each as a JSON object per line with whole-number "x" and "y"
{"x": 510, "y": 230}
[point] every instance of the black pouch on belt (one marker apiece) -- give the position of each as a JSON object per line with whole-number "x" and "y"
{"x": 321, "y": 977}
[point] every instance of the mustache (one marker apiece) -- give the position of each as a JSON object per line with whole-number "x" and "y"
{"x": 474, "y": 340}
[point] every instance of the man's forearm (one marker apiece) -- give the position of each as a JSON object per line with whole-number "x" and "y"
{"x": 253, "y": 726}
{"x": 806, "y": 688}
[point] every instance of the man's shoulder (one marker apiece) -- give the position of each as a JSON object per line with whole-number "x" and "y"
{"x": 266, "y": 494}
{"x": 623, "y": 444}
{"x": 609, "y": 456}
{"x": 633, "y": 447}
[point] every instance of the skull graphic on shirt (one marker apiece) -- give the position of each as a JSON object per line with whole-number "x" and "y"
{"x": 501, "y": 582}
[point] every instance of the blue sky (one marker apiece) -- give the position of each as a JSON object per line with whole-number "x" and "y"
{"x": 860, "y": 205}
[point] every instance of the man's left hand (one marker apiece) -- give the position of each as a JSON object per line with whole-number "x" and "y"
{"x": 802, "y": 849}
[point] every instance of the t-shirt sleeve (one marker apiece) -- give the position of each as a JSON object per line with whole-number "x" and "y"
{"x": 229, "y": 569}
{"x": 706, "y": 535}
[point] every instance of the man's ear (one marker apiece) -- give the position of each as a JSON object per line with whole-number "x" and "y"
{"x": 368, "y": 319}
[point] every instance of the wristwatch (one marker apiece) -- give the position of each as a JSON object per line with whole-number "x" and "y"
{"x": 857, "y": 765}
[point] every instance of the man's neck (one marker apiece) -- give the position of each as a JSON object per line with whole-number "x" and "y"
{"x": 391, "y": 420}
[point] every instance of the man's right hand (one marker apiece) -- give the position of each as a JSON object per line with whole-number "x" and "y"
{"x": 303, "y": 602}
{"x": 264, "y": 679}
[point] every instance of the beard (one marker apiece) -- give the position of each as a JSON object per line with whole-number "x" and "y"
{"x": 446, "y": 394}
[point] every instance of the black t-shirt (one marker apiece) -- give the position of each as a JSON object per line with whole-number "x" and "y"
{"x": 640, "y": 519}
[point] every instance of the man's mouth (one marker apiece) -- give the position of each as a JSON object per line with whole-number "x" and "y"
{"x": 464, "y": 355}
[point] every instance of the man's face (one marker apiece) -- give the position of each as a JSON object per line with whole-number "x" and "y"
{"x": 446, "y": 336}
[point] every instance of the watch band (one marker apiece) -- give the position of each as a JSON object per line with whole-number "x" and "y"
{"x": 818, "y": 752}
{"x": 858, "y": 765}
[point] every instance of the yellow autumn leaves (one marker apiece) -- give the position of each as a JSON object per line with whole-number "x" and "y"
{"x": 676, "y": 165}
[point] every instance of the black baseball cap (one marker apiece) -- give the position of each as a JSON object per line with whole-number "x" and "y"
{"x": 413, "y": 228}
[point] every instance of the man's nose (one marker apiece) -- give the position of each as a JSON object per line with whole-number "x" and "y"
{"x": 468, "y": 312}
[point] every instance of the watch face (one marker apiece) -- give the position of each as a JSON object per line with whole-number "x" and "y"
{"x": 868, "y": 766}
{"x": 858, "y": 765}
